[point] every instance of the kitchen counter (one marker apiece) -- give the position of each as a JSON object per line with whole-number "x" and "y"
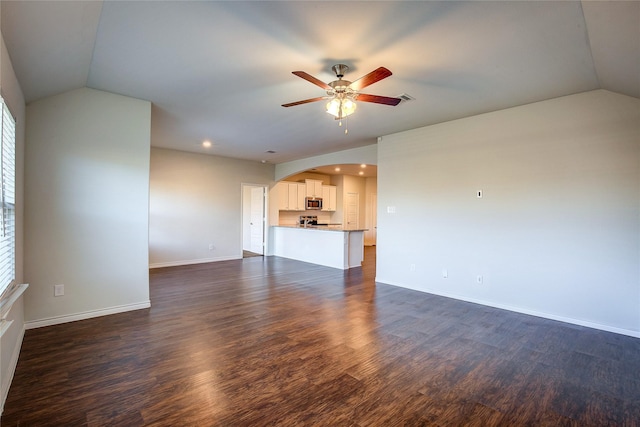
{"x": 328, "y": 227}
{"x": 332, "y": 246}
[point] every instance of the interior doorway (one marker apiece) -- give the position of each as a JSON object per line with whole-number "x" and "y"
{"x": 352, "y": 214}
{"x": 370, "y": 236}
{"x": 253, "y": 220}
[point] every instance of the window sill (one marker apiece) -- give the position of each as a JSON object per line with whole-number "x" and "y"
{"x": 6, "y": 304}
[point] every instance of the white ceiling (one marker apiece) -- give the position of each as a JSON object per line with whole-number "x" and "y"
{"x": 221, "y": 70}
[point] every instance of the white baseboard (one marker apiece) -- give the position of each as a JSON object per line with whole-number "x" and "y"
{"x": 593, "y": 325}
{"x": 192, "y": 261}
{"x": 11, "y": 370}
{"x": 32, "y": 324}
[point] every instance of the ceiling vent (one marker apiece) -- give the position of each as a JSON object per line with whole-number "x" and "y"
{"x": 405, "y": 98}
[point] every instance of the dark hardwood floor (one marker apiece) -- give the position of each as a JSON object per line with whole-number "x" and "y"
{"x": 271, "y": 341}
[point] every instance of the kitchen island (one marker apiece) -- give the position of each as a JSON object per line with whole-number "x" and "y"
{"x": 330, "y": 246}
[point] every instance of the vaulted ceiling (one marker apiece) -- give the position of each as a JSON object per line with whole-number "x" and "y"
{"x": 220, "y": 71}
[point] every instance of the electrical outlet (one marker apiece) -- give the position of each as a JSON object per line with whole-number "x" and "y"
{"x": 445, "y": 274}
{"x": 479, "y": 280}
{"x": 412, "y": 267}
{"x": 58, "y": 290}
{"x": 210, "y": 246}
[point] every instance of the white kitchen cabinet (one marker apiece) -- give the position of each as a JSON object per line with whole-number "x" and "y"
{"x": 291, "y": 196}
{"x": 314, "y": 187}
{"x": 329, "y": 197}
{"x": 282, "y": 193}
{"x": 301, "y": 194}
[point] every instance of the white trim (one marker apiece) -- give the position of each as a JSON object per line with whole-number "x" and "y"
{"x": 4, "y": 326}
{"x": 11, "y": 297}
{"x": 193, "y": 261}
{"x": 592, "y": 325}
{"x": 32, "y": 324}
{"x": 11, "y": 370}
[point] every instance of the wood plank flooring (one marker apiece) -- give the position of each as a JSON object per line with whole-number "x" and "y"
{"x": 271, "y": 341}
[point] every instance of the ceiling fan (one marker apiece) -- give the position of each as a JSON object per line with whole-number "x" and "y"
{"x": 342, "y": 94}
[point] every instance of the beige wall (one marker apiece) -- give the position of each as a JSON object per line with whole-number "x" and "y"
{"x": 557, "y": 233}
{"x": 86, "y": 205}
{"x": 196, "y": 201}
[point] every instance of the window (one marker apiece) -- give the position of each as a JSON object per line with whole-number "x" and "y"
{"x": 7, "y": 200}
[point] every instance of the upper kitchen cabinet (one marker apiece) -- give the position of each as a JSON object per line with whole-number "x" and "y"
{"x": 313, "y": 188}
{"x": 291, "y": 196}
{"x": 329, "y": 197}
{"x": 301, "y": 193}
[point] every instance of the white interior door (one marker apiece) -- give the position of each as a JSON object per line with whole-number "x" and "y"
{"x": 256, "y": 228}
{"x": 372, "y": 213}
{"x": 353, "y": 211}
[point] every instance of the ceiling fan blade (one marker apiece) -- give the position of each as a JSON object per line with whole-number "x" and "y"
{"x": 305, "y": 101}
{"x": 310, "y": 78}
{"x": 378, "y": 99}
{"x": 369, "y": 79}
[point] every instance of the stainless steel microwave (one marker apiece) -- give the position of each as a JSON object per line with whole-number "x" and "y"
{"x": 313, "y": 203}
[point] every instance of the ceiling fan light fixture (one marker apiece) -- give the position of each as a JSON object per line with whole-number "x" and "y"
{"x": 341, "y": 107}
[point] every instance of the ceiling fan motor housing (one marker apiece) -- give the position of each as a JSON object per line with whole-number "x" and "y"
{"x": 340, "y": 70}
{"x": 340, "y": 86}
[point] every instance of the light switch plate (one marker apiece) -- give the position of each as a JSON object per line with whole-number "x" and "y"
{"x": 58, "y": 290}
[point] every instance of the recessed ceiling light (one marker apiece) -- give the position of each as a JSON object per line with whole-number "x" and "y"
{"x": 206, "y": 144}
{"x": 360, "y": 173}
{"x": 337, "y": 169}
{"x": 363, "y": 166}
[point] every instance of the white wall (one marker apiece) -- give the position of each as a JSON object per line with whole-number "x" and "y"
{"x": 196, "y": 200}
{"x": 86, "y": 205}
{"x": 557, "y": 233}
{"x": 11, "y": 340}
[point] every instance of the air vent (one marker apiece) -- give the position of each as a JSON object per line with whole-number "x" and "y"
{"x": 270, "y": 152}
{"x": 405, "y": 98}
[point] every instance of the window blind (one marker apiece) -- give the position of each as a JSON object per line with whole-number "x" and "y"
{"x": 7, "y": 200}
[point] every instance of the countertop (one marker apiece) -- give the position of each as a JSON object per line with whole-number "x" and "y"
{"x": 330, "y": 227}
